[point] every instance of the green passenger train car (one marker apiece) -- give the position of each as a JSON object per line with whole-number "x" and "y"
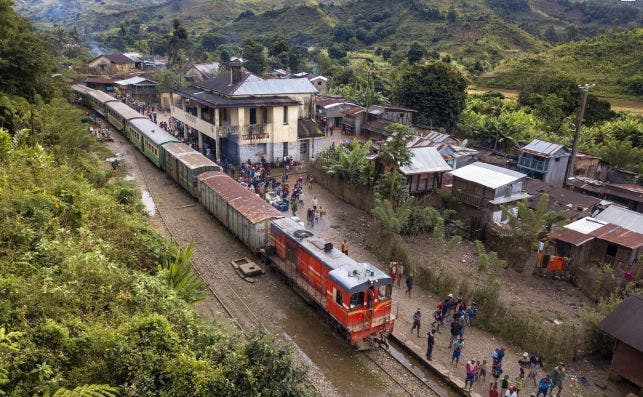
{"x": 184, "y": 164}
{"x": 149, "y": 138}
{"x": 98, "y": 101}
{"x": 119, "y": 113}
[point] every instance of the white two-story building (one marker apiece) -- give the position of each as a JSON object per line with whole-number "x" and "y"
{"x": 238, "y": 116}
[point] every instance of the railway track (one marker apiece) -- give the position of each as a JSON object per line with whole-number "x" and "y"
{"x": 229, "y": 308}
{"x": 412, "y": 383}
{"x": 409, "y": 379}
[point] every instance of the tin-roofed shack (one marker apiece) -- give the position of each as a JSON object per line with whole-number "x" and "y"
{"x": 487, "y": 188}
{"x": 625, "y": 324}
{"x": 424, "y": 173}
{"x": 590, "y": 241}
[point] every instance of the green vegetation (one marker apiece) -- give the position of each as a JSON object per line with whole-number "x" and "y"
{"x": 612, "y": 61}
{"x": 94, "y": 300}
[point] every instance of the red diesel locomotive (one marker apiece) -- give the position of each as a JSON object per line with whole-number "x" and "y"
{"x": 356, "y": 297}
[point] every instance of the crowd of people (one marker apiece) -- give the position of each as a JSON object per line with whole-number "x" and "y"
{"x": 461, "y": 315}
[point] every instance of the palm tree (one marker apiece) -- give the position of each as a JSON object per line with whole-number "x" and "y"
{"x": 180, "y": 275}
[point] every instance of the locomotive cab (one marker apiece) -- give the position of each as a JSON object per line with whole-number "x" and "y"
{"x": 361, "y": 301}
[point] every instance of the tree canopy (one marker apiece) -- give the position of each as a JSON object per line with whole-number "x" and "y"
{"x": 436, "y": 90}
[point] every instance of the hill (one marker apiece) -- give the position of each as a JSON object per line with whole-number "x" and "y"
{"x": 485, "y": 31}
{"x": 612, "y": 61}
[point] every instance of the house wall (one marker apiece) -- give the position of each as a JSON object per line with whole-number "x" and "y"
{"x": 627, "y": 362}
{"x": 590, "y": 167}
{"x": 320, "y": 85}
{"x": 556, "y": 173}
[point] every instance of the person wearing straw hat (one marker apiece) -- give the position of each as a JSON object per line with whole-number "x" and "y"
{"x": 524, "y": 364}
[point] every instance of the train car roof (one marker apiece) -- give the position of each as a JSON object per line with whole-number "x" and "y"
{"x": 346, "y": 272}
{"x": 101, "y": 96}
{"x": 80, "y": 88}
{"x": 251, "y": 206}
{"x": 152, "y": 131}
{"x": 123, "y": 110}
{"x": 189, "y": 157}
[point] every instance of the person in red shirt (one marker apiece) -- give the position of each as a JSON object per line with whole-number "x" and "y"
{"x": 493, "y": 389}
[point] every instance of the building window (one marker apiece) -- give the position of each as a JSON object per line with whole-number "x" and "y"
{"x": 285, "y": 114}
{"x": 261, "y": 148}
{"x": 253, "y": 116}
{"x": 357, "y": 299}
{"x": 339, "y": 298}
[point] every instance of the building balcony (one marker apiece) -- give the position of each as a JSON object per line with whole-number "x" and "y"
{"x": 532, "y": 164}
{"x": 468, "y": 199}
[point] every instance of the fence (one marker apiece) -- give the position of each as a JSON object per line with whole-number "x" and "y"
{"x": 358, "y": 196}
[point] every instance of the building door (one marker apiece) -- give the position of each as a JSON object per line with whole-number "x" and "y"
{"x": 285, "y": 150}
{"x": 303, "y": 151}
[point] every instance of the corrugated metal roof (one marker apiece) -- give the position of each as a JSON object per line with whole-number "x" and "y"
{"x": 123, "y": 110}
{"x": 618, "y": 235}
{"x": 429, "y": 138}
{"x": 208, "y": 69}
{"x": 425, "y": 160}
{"x": 623, "y": 217}
{"x": 119, "y": 59}
{"x": 325, "y": 100}
{"x": 488, "y": 175}
{"x": 275, "y": 87}
{"x": 152, "y": 131}
{"x": 134, "y": 81}
{"x": 251, "y": 206}
{"x": 543, "y": 148}
{"x": 585, "y": 225}
{"x": 219, "y": 101}
{"x": 570, "y": 236}
{"x": 626, "y": 322}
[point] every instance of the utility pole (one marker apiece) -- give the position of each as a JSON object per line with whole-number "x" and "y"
{"x": 584, "y": 91}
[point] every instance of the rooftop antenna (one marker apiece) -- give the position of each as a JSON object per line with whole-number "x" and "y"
{"x": 584, "y": 91}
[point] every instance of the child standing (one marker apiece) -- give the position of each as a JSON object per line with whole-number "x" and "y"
{"x": 482, "y": 372}
{"x": 504, "y": 385}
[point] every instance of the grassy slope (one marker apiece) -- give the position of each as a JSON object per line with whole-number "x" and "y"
{"x": 609, "y": 60}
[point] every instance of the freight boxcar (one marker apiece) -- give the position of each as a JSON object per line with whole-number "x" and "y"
{"x": 149, "y": 138}
{"x": 183, "y": 164}
{"x": 119, "y": 113}
{"x": 244, "y": 213}
{"x": 355, "y": 296}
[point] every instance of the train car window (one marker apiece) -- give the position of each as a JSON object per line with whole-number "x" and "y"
{"x": 339, "y": 298}
{"x": 357, "y": 299}
{"x": 384, "y": 292}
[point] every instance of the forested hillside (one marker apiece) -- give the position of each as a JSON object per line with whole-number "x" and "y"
{"x": 485, "y": 31}
{"x": 613, "y": 61}
{"x": 89, "y": 303}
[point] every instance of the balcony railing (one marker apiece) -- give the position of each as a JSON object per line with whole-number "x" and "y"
{"x": 467, "y": 199}
{"x": 533, "y": 164}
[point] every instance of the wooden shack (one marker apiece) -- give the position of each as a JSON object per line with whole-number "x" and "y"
{"x": 625, "y": 324}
